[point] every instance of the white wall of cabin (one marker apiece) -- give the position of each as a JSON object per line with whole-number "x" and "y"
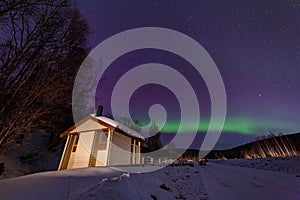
{"x": 120, "y": 147}
{"x": 87, "y": 126}
{"x": 102, "y": 155}
{"x": 81, "y": 157}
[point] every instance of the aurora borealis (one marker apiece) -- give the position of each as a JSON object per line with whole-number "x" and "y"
{"x": 255, "y": 45}
{"x": 239, "y": 126}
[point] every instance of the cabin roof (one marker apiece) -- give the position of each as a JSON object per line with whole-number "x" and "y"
{"x": 119, "y": 126}
{"x": 108, "y": 123}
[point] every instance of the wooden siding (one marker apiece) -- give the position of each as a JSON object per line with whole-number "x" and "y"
{"x": 89, "y": 125}
{"x": 119, "y": 153}
{"x": 65, "y": 158}
{"x": 94, "y": 151}
{"x": 101, "y": 158}
{"x": 81, "y": 157}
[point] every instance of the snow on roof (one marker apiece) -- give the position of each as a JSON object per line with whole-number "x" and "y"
{"x": 120, "y": 126}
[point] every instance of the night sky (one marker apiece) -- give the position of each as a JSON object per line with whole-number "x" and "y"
{"x": 255, "y": 45}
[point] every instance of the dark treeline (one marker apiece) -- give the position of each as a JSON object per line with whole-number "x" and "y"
{"x": 271, "y": 145}
{"x": 42, "y": 44}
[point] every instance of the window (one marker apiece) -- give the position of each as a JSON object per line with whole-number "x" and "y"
{"x": 103, "y": 139}
{"x": 75, "y": 143}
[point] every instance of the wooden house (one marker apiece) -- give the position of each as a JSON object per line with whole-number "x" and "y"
{"x": 100, "y": 141}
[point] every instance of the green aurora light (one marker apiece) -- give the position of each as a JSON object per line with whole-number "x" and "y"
{"x": 246, "y": 126}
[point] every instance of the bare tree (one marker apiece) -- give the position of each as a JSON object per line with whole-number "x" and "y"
{"x": 42, "y": 44}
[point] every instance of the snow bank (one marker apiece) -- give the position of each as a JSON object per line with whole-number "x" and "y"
{"x": 214, "y": 182}
{"x": 31, "y": 156}
{"x": 107, "y": 183}
{"x": 233, "y": 182}
{"x": 289, "y": 165}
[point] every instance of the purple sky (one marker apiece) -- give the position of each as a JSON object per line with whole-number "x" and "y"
{"x": 255, "y": 44}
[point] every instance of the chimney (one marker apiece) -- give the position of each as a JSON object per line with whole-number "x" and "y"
{"x": 99, "y": 111}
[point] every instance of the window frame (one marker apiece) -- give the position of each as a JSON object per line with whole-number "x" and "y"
{"x": 102, "y": 145}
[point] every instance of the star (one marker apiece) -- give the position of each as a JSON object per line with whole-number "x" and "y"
{"x": 255, "y": 51}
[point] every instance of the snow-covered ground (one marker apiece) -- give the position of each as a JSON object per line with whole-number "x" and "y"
{"x": 106, "y": 183}
{"x": 214, "y": 181}
{"x": 289, "y": 165}
{"x": 30, "y": 157}
{"x": 233, "y": 182}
